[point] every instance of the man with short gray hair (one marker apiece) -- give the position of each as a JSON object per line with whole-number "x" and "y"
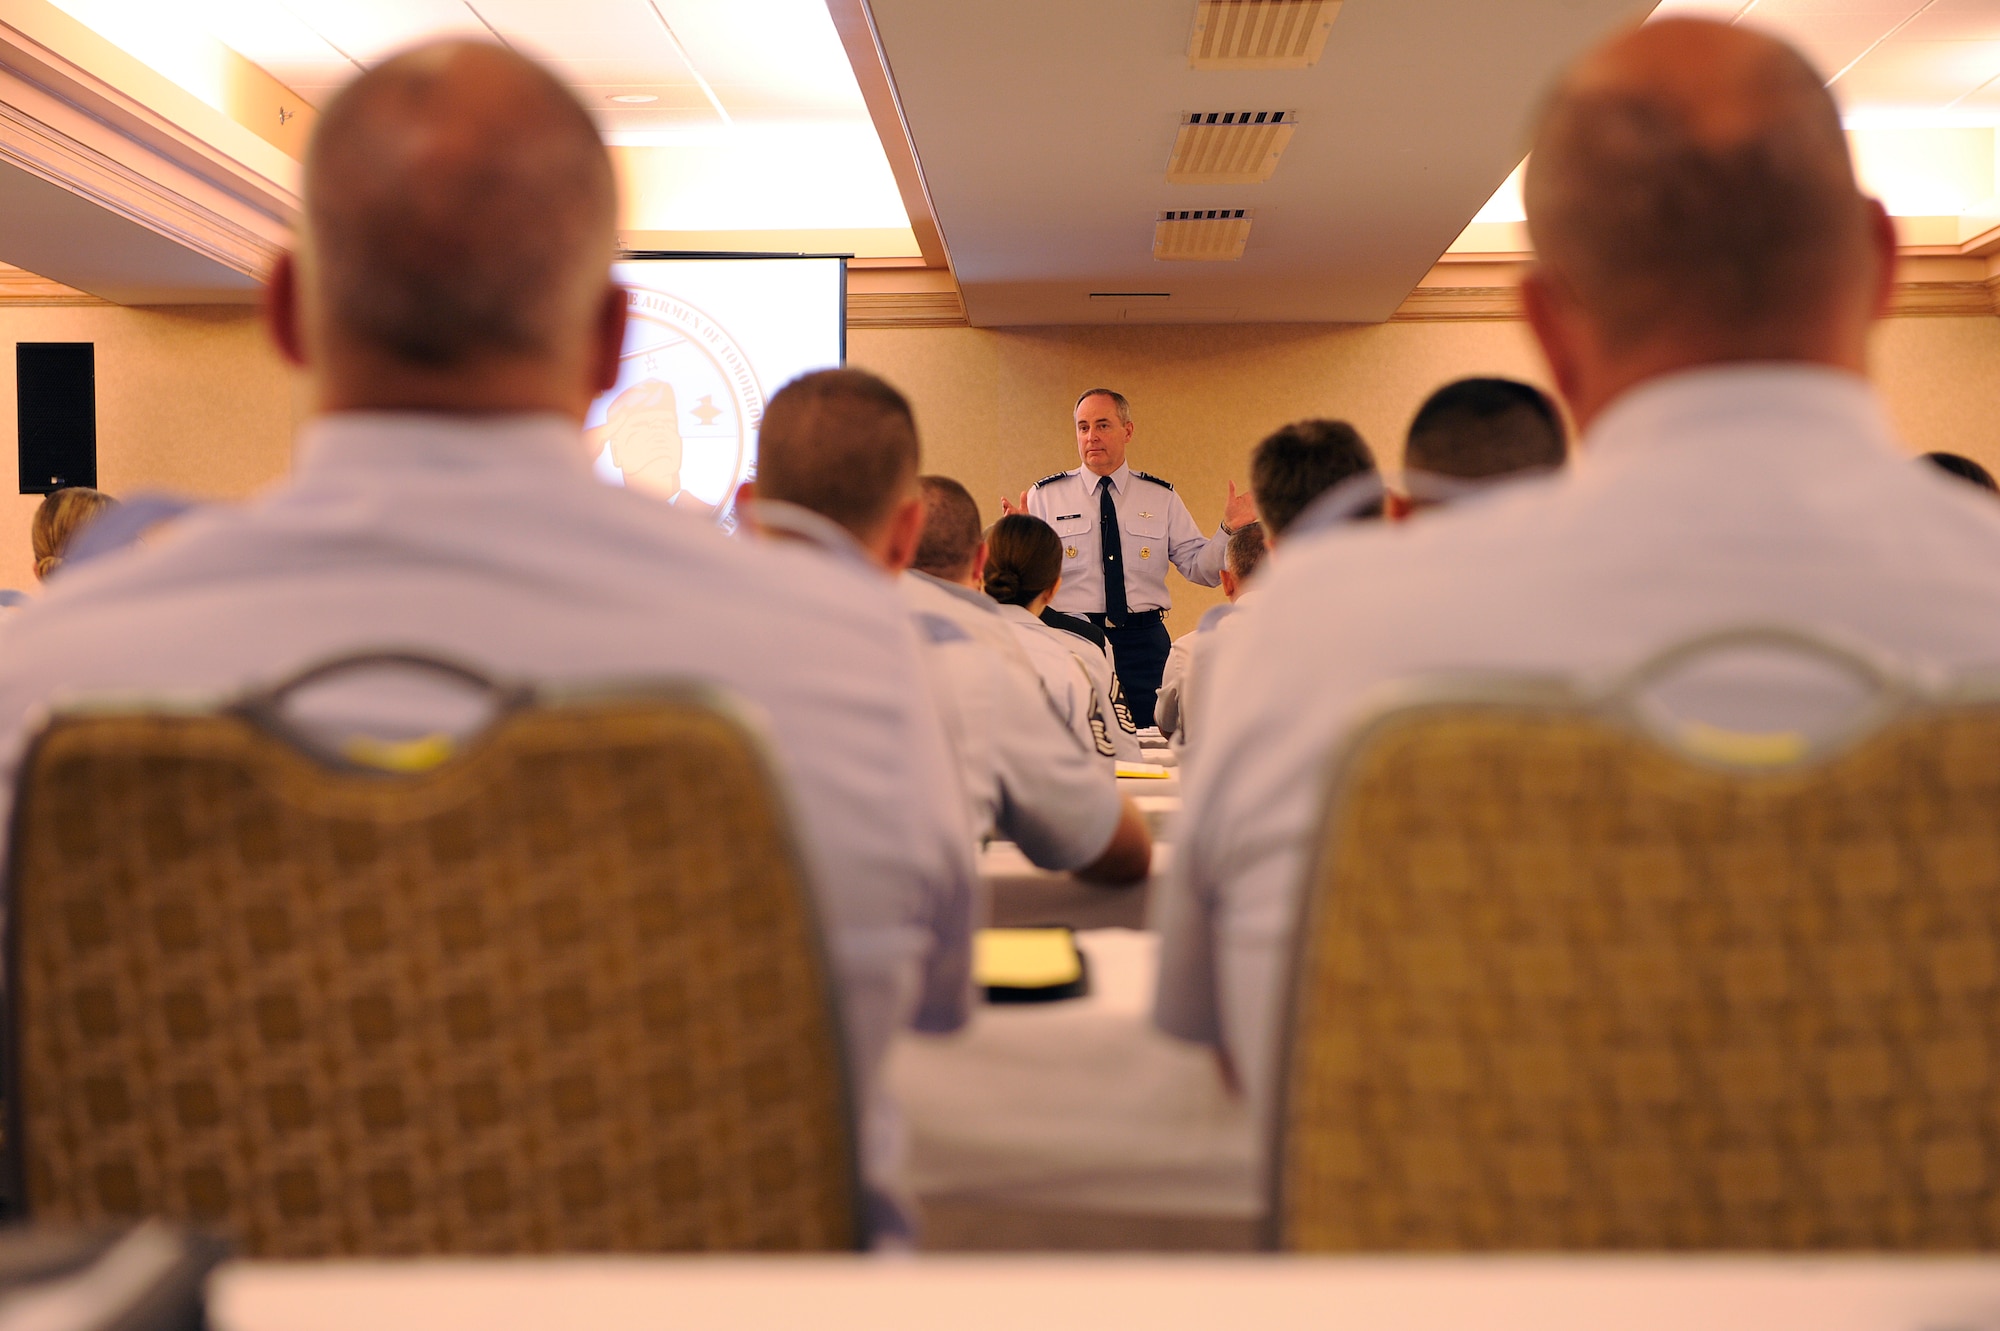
{"x": 837, "y": 470}
{"x": 451, "y": 305}
{"x": 1120, "y": 530}
{"x": 1707, "y": 272}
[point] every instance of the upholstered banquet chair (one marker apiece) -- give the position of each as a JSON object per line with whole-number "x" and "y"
{"x": 1574, "y": 975}
{"x": 557, "y": 988}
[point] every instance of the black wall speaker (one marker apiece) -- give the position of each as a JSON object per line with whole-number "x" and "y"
{"x": 56, "y": 403}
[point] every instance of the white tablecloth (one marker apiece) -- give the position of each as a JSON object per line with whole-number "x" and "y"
{"x": 1017, "y": 893}
{"x": 1733, "y": 1293}
{"x": 1079, "y": 1104}
{"x": 1169, "y": 785}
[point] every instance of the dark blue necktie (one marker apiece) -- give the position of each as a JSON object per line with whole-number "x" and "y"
{"x": 1114, "y": 570}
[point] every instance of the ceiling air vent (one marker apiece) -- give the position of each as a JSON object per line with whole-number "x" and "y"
{"x": 1229, "y": 147}
{"x": 1201, "y": 233}
{"x": 1260, "y": 34}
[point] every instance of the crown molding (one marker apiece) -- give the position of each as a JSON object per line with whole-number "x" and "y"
{"x": 78, "y": 114}
{"x": 856, "y": 27}
{"x": 1465, "y": 288}
{"x": 903, "y": 298}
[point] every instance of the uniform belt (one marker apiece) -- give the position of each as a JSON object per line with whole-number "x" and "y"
{"x": 1131, "y": 617}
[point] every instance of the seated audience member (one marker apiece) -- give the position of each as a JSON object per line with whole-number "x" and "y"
{"x": 945, "y": 576}
{"x": 59, "y": 519}
{"x": 1023, "y": 570}
{"x": 1294, "y": 468}
{"x": 140, "y": 520}
{"x": 1246, "y": 551}
{"x": 1318, "y": 467}
{"x": 839, "y": 450}
{"x": 452, "y": 304}
{"x": 1080, "y": 627}
{"x": 1318, "y": 474}
{"x": 1476, "y": 430}
{"x": 1707, "y": 275}
{"x": 1957, "y": 464}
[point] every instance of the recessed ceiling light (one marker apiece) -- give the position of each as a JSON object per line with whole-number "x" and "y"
{"x": 636, "y": 98}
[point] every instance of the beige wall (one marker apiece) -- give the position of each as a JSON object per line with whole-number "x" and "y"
{"x": 193, "y": 399}
{"x": 994, "y": 404}
{"x": 190, "y": 399}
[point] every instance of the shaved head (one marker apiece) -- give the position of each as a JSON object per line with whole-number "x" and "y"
{"x": 459, "y": 209}
{"x": 1691, "y": 181}
{"x": 951, "y": 529}
{"x": 842, "y": 443}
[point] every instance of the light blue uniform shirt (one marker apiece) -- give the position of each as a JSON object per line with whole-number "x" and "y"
{"x": 1024, "y": 775}
{"x": 1722, "y": 497}
{"x": 1155, "y": 530}
{"x": 489, "y": 540}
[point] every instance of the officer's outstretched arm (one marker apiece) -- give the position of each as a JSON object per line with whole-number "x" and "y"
{"x": 1128, "y": 856}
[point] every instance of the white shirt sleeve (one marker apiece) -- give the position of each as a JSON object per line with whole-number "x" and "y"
{"x": 1058, "y": 800}
{"x": 1198, "y": 557}
{"x": 1167, "y": 708}
{"x": 1027, "y": 777}
{"x": 1185, "y": 1003}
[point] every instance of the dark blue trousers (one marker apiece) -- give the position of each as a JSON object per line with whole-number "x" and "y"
{"x": 1141, "y": 644}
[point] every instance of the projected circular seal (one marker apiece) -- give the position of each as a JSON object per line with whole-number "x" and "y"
{"x": 681, "y": 420}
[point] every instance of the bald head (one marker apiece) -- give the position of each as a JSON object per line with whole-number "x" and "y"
{"x": 459, "y": 209}
{"x": 1691, "y": 182}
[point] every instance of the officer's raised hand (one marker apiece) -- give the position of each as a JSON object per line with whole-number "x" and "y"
{"x": 1012, "y": 506}
{"x": 1238, "y": 512}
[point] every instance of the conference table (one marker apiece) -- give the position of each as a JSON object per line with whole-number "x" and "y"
{"x": 1729, "y": 1293}
{"x": 1018, "y": 893}
{"x": 1076, "y": 1124}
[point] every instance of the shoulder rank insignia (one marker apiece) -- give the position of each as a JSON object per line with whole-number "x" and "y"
{"x": 1100, "y": 734}
{"x": 1148, "y": 476}
{"x": 1050, "y": 480}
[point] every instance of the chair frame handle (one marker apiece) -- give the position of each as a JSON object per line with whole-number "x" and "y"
{"x": 265, "y": 707}
{"x": 1891, "y": 689}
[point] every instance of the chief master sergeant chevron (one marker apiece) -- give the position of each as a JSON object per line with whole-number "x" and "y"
{"x": 1120, "y": 529}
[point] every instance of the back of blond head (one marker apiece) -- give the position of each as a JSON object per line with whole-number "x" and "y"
{"x": 459, "y": 205}
{"x": 1693, "y": 180}
{"x": 60, "y": 516}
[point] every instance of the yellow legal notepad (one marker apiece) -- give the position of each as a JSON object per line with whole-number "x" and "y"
{"x": 1028, "y": 965}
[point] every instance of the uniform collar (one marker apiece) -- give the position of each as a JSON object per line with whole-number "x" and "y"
{"x": 1776, "y": 405}
{"x": 1120, "y": 479}
{"x": 379, "y": 442}
{"x": 791, "y": 522}
{"x": 977, "y": 599}
{"x": 1019, "y": 614}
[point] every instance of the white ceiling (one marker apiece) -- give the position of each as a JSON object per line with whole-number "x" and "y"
{"x": 66, "y": 237}
{"x": 755, "y": 122}
{"x": 761, "y": 59}
{"x": 707, "y": 63}
{"x": 1044, "y": 128}
{"x": 1918, "y": 82}
{"x": 1891, "y": 62}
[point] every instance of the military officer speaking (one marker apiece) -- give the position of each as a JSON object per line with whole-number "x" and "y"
{"x": 1120, "y": 529}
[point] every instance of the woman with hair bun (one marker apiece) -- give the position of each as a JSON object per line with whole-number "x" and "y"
{"x": 63, "y": 513}
{"x": 1023, "y": 571}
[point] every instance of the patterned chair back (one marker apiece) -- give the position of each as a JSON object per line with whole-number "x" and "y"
{"x": 1571, "y": 977}
{"x": 560, "y": 991}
